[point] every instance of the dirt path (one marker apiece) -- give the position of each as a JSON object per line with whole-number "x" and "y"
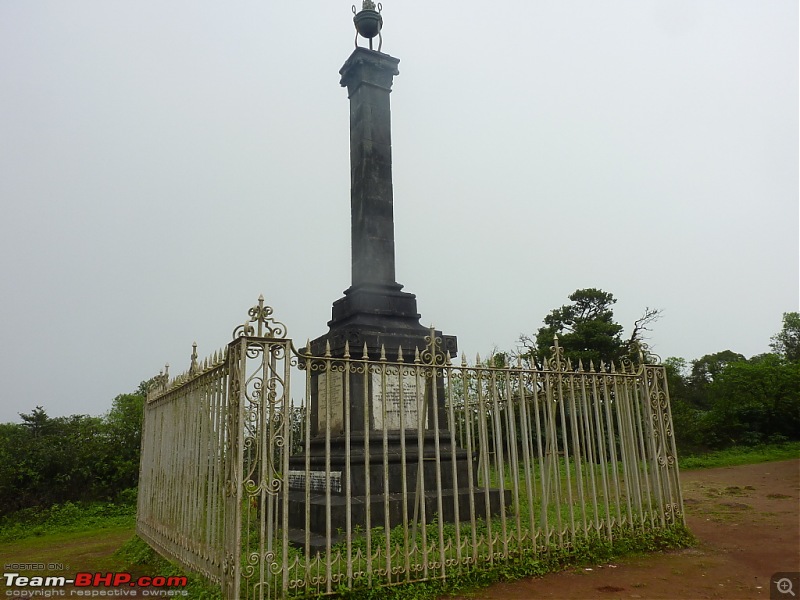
{"x": 746, "y": 520}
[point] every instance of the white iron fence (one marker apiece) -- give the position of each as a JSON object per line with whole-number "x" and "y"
{"x": 394, "y": 470}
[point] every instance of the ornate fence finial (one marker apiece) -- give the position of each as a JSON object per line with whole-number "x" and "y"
{"x": 556, "y": 361}
{"x": 193, "y": 364}
{"x": 433, "y": 354}
{"x": 267, "y": 326}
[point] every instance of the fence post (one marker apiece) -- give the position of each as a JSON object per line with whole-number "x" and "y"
{"x": 233, "y": 458}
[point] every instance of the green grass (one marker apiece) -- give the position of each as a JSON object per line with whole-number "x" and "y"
{"x": 741, "y": 455}
{"x": 592, "y": 551}
{"x": 68, "y": 538}
{"x": 68, "y": 552}
{"x": 137, "y": 557}
{"x": 65, "y": 518}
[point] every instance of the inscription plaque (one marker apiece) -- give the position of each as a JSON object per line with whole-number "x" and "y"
{"x": 331, "y": 398}
{"x": 316, "y": 481}
{"x": 413, "y": 397}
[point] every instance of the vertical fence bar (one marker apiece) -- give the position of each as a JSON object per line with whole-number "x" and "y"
{"x": 471, "y": 475}
{"x": 453, "y": 460}
{"x": 403, "y": 464}
{"x": 484, "y": 456}
{"x": 367, "y": 476}
{"x": 347, "y": 474}
{"x": 309, "y": 364}
{"x": 651, "y": 416}
{"x": 601, "y": 441}
{"x": 544, "y": 521}
{"x": 527, "y": 463}
{"x": 435, "y": 373}
{"x": 512, "y": 452}
{"x": 327, "y": 483}
{"x": 640, "y": 406}
{"x": 577, "y": 452}
{"x": 611, "y": 439}
{"x": 565, "y": 444}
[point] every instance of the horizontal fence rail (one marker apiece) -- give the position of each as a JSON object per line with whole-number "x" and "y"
{"x": 397, "y": 469}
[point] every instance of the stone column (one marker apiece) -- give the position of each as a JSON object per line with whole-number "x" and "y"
{"x": 374, "y": 309}
{"x": 368, "y": 77}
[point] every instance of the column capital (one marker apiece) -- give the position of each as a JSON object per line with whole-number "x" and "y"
{"x": 366, "y": 66}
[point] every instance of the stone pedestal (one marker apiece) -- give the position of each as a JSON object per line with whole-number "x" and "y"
{"x": 368, "y": 473}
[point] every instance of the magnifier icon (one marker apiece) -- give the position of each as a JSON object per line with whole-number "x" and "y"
{"x": 784, "y": 586}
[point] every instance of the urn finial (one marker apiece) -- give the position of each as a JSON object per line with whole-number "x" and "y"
{"x": 368, "y": 22}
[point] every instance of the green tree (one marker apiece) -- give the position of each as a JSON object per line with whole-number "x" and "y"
{"x": 704, "y": 372}
{"x": 45, "y": 460}
{"x": 787, "y": 341}
{"x": 587, "y": 331}
{"x": 124, "y": 435}
{"x": 755, "y": 401}
{"x": 586, "y": 328}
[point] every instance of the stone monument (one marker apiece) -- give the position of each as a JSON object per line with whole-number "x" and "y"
{"x": 375, "y": 314}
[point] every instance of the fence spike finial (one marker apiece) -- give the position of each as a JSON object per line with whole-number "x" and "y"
{"x": 580, "y": 365}
{"x": 383, "y": 352}
{"x": 591, "y": 366}
{"x": 193, "y": 364}
{"x": 400, "y": 353}
{"x": 477, "y": 359}
{"x": 347, "y": 349}
{"x": 613, "y": 370}
{"x": 463, "y": 359}
{"x": 327, "y": 348}
{"x": 417, "y": 359}
{"x": 308, "y": 346}
{"x": 365, "y": 356}
{"x": 260, "y": 315}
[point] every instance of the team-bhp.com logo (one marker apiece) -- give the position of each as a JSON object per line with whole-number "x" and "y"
{"x": 159, "y": 585}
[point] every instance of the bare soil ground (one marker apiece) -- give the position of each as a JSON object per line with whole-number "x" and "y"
{"x": 747, "y": 523}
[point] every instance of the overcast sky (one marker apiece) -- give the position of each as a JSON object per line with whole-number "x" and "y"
{"x": 164, "y": 163}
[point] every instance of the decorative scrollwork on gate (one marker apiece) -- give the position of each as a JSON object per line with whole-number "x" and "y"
{"x": 266, "y": 326}
{"x": 433, "y": 355}
{"x": 556, "y": 362}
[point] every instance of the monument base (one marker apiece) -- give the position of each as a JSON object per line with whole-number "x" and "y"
{"x": 378, "y": 316}
{"x": 469, "y": 502}
{"x": 393, "y": 475}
